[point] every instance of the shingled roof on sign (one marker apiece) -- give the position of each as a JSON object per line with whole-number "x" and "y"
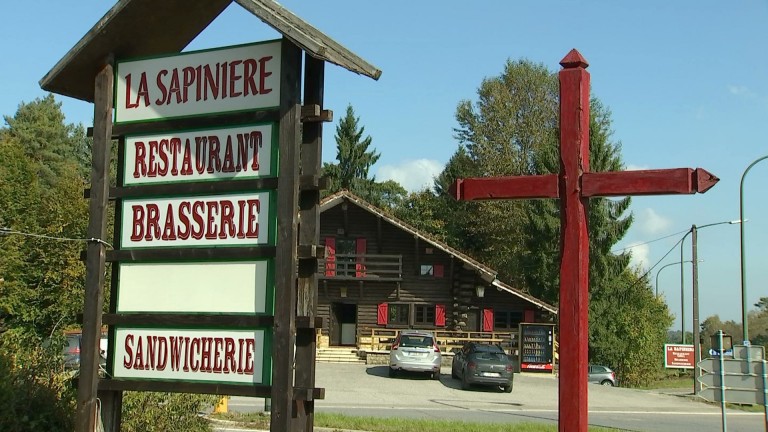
{"x": 169, "y": 26}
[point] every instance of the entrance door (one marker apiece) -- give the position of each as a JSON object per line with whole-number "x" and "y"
{"x": 473, "y": 320}
{"x": 344, "y": 316}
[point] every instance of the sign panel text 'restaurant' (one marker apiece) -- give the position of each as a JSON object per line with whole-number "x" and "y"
{"x": 231, "y": 79}
{"x": 214, "y": 220}
{"x": 213, "y": 154}
{"x": 235, "y": 356}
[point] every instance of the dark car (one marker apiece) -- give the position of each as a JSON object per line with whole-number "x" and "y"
{"x": 483, "y": 364}
{"x": 71, "y": 351}
{"x": 602, "y": 375}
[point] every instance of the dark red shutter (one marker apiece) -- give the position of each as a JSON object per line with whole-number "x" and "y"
{"x": 361, "y": 245}
{"x": 381, "y": 316}
{"x": 487, "y": 320}
{"x": 528, "y": 317}
{"x": 440, "y": 315}
{"x": 330, "y": 256}
{"x": 438, "y": 270}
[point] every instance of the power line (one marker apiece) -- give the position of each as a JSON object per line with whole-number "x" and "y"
{"x": 6, "y": 231}
{"x": 651, "y": 241}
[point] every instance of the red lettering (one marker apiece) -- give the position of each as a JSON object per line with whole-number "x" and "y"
{"x": 250, "y": 67}
{"x": 175, "y": 148}
{"x": 211, "y": 82}
{"x": 161, "y": 86}
{"x": 162, "y": 170}
{"x": 205, "y": 356}
{"x": 138, "y": 362}
{"x": 151, "y": 343}
{"x": 234, "y": 78}
{"x": 184, "y": 211}
{"x": 139, "y": 164}
{"x": 200, "y": 152}
{"x": 162, "y": 350}
{"x": 241, "y": 353}
{"x": 227, "y": 226}
{"x": 137, "y": 232}
{"x": 229, "y": 162}
{"x": 254, "y": 207}
{"x": 141, "y": 92}
{"x": 214, "y": 163}
{"x": 194, "y": 365}
{"x": 128, "y": 359}
{"x": 257, "y": 144}
{"x": 175, "y": 88}
{"x": 169, "y": 232}
{"x": 152, "y": 165}
{"x": 229, "y": 355}
{"x": 189, "y": 79}
{"x": 249, "y": 345}
{"x": 197, "y": 216}
{"x": 217, "y": 361}
{"x": 186, "y": 354}
{"x": 212, "y": 228}
{"x": 153, "y": 222}
{"x": 264, "y": 75}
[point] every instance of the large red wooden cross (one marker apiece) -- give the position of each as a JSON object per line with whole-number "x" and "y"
{"x": 574, "y": 185}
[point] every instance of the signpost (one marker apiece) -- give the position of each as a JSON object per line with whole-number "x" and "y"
{"x": 574, "y": 185}
{"x": 679, "y": 356}
{"x": 742, "y": 379}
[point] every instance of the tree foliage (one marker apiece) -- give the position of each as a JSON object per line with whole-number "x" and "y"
{"x": 354, "y": 159}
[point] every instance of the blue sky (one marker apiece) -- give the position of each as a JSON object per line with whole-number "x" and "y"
{"x": 685, "y": 80}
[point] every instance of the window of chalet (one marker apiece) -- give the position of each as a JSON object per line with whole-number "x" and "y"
{"x": 408, "y": 314}
{"x": 432, "y": 270}
{"x": 506, "y": 319}
{"x": 344, "y": 256}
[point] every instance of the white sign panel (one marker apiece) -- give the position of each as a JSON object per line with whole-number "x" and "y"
{"x": 217, "y": 220}
{"x": 239, "y": 78}
{"x": 189, "y": 287}
{"x": 214, "y": 154}
{"x": 223, "y": 356}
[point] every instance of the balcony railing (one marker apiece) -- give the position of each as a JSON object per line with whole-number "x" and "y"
{"x": 362, "y": 267}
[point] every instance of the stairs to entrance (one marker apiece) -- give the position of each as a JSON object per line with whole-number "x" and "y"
{"x": 338, "y": 355}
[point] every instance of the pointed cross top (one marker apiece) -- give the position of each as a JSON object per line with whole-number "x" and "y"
{"x": 574, "y": 59}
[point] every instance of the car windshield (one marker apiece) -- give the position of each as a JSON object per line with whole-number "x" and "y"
{"x": 487, "y": 355}
{"x": 416, "y": 341}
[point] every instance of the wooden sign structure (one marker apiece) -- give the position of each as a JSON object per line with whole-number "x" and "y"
{"x": 205, "y": 293}
{"x": 574, "y": 185}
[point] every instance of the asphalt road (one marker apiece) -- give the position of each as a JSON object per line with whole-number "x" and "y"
{"x": 368, "y": 391}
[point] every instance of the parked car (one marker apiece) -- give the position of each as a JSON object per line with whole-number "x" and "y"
{"x": 415, "y": 351}
{"x": 71, "y": 351}
{"x": 602, "y": 375}
{"x": 484, "y": 364}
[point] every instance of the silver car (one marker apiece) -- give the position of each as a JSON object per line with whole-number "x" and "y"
{"x": 415, "y": 351}
{"x": 602, "y": 375}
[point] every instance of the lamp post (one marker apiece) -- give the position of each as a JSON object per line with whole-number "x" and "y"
{"x": 668, "y": 265}
{"x": 694, "y": 258}
{"x": 744, "y": 323}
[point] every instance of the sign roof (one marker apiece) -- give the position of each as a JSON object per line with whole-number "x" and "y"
{"x": 170, "y": 25}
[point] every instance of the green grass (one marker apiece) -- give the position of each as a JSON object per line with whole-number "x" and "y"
{"x": 372, "y": 424}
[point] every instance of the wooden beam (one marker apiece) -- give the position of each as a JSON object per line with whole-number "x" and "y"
{"x": 95, "y": 262}
{"x": 647, "y": 182}
{"x": 182, "y": 320}
{"x": 192, "y": 188}
{"x": 287, "y": 238}
{"x": 538, "y": 186}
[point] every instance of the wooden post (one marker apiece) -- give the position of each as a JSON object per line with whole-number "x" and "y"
{"x": 574, "y": 264}
{"x": 309, "y": 234}
{"x": 96, "y": 253}
{"x": 574, "y": 185}
{"x": 285, "y": 259}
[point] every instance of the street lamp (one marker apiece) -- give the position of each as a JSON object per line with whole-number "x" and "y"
{"x": 657, "y": 273}
{"x": 744, "y": 323}
{"x": 694, "y": 258}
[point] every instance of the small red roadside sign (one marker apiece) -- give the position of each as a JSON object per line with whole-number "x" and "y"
{"x": 679, "y": 356}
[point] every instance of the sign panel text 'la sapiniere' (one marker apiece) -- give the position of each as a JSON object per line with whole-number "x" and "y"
{"x": 240, "y": 78}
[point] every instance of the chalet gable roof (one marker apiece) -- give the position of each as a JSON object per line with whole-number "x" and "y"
{"x": 486, "y": 273}
{"x": 167, "y": 26}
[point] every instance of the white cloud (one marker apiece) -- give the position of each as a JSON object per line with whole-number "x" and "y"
{"x": 640, "y": 255}
{"x": 413, "y": 175}
{"x": 651, "y": 222}
{"x": 738, "y": 90}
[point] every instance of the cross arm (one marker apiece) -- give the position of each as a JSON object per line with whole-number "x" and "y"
{"x": 647, "y": 182}
{"x": 537, "y": 186}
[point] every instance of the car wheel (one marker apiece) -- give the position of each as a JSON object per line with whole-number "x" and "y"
{"x": 607, "y": 383}
{"x": 392, "y": 373}
{"x": 464, "y": 383}
{"x": 507, "y": 388}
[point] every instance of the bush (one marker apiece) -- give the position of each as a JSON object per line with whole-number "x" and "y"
{"x": 34, "y": 390}
{"x": 172, "y": 412}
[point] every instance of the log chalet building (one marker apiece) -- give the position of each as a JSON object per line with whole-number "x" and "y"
{"x": 380, "y": 273}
